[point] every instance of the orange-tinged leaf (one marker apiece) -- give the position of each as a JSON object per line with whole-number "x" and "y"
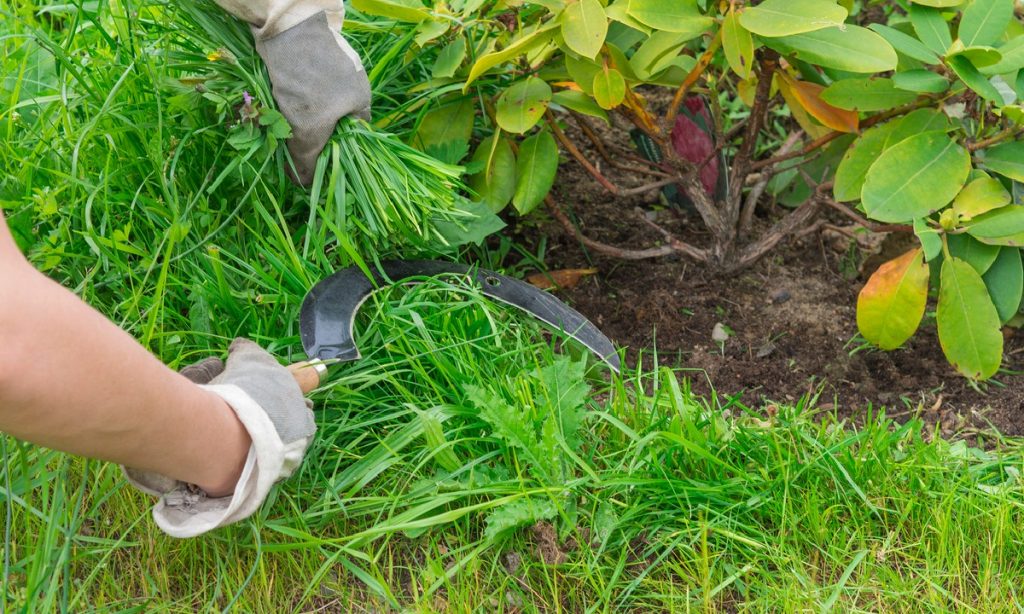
{"x": 891, "y": 304}
{"x": 569, "y": 85}
{"x": 562, "y": 278}
{"x": 808, "y": 96}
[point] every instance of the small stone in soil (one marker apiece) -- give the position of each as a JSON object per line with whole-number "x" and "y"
{"x": 779, "y": 297}
{"x": 766, "y": 350}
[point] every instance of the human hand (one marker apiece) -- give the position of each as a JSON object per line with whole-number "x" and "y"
{"x": 269, "y": 404}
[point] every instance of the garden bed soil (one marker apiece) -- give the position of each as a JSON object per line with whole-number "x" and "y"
{"x": 791, "y": 318}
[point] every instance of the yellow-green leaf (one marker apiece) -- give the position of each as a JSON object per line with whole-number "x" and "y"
{"x": 738, "y": 45}
{"x": 518, "y": 47}
{"x": 413, "y": 12}
{"x": 891, "y": 304}
{"x": 584, "y": 27}
{"x": 984, "y": 21}
{"x": 968, "y": 322}
{"x": 609, "y": 88}
{"x": 981, "y": 195}
{"x": 681, "y": 16}
{"x": 495, "y": 184}
{"x": 785, "y": 17}
{"x": 536, "y": 168}
{"x": 1005, "y": 282}
{"x": 853, "y": 168}
{"x": 1007, "y": 159}
{"x": 521, "y": 106}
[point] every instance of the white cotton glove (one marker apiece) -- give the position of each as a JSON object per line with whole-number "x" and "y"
{"x": 317, "y": 77}
{"x": 271, "y": 407}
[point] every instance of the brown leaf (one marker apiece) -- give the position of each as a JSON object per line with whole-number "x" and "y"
{"x": 808, "y": 96}
{"x": 562, "y": 278}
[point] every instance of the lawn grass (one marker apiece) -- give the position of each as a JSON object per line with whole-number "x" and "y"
{"x": 463, "y": 464}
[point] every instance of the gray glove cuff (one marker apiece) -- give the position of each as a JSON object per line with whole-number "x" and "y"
{"x": 317, "y": 79}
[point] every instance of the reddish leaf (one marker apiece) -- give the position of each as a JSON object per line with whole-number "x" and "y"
{"x": 808, "y": 96}
{"x": 691, "y": 138}
{"x": 563, "y": 278}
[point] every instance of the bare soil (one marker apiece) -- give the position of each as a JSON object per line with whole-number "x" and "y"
{"x": 790, "y": 318}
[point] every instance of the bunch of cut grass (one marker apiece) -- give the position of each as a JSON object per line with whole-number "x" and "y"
{"x": 378, "y": 195}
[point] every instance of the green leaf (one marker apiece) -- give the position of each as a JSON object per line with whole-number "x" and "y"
{"x": 609, "y": 88}
{"x": 495, "y": 184}
{"x": 584, "y": 27}
{"x": 973, "y": 252}
{"x": 447, "y": 128}
{"x": 519, "y": 513}
{"x": 1005, "y": 282}
{"x": 481, "y": 223}
{"x": 915, "y": 177}
{"x": 931, "y": 28}
{"x": 979, "y": 196}
{"x": 521, "y": 106}
{"x": 940, "y": 3}
{"x": 619, "y": 11}
{"x": 857, "y": 160}
{"x": 657, "y": 53}
{"x": 738, "y": 45}
{"x": 866, "y": 94}
{"x": 1003, "y": 222}
{"x": 450, "y": 58}
{"x": 917, "y": 122}
{"x": 920, "y": 80}
{"x": 974, "y": 79}
{"x": 1013, "y": 58}
{"x": 978, "y": 56}
{"x": 1007, "y": 159}
{"x": 579, "y": 102}
{"x": 563, "y": 389}
{"x": 409, "y": 11}
{"x": 582, "y": 72}
{"x": 521, "y": 45}
{"x": 984, "y": 21}
{"x": 851, "y": 48}
{"x": 906, "y": 44}
{"x": 968, "y": 322}
{"x": 892, "y": 302}
{"x": 536, "y": 168}
{"x": 681, "y": 16}
{"x": 929, "y": 237}
{"x": 774, "y": 18}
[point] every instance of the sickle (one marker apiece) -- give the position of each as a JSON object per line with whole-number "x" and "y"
{"x": 329, "y": 310}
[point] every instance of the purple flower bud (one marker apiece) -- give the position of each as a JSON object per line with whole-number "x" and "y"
{"x": 247, "y": 97}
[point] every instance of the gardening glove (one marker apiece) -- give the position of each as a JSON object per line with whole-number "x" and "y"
{"x": 317, "y": 77}
{"x": 270, "y": 405}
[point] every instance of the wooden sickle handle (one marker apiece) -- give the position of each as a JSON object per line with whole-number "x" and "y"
{"x": 308, "y": 374}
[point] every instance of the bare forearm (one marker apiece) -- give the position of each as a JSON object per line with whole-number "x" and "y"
{"x": 71, "y": 380}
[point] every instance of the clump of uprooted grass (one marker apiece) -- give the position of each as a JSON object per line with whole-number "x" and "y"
{"x": 376, "y": 194}
{"x": 463, "y": 464}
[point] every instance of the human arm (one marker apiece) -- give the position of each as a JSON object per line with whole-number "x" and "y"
{"x": 73, "y": 381}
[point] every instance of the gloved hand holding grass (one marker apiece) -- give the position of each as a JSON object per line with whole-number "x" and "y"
{"x": 317, "y": 77}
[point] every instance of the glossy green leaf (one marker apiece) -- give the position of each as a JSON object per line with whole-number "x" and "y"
{"x": 579, "y": 102}
{"x": 450, "y": 58}
{"x": 917, "y": 122}
{"x": 866, "y": 94}
{"x": 968, "y": 323}
{"x": 974, "y": 79}
{"x": 495, "y": 184}
{"x": 1005, "y": 282}
{"x": 445, "y": 131}
{"x": 584, "y": 27}
{"x": 857, "y": 160}
{"x": 978, "y": 56}
{"x": 519, "y": 46}
{"x": 619, "y": 11}
{"x": 774, "y": 18}
{"x": 984, "y": 21}
{"x": 850, "y": 48}
{"x": 609, "y": 88}
{"x": 906, "y": 44}
{"x": 1002, "y": 222}
{"x": 582, "y": 72}
{"x": 536, "y": 168}
{"x": 979, "y": 196}
{"x": 972, "y": 251}
{"x": 931, "y": 28}
{"x": 409, "y": 11}
{"x": 929, "y": 237}
{"x": 1012, "y": 58}
{"x": 892, "y": 302}
{"x": 681, "y": 16}
{"x": 915, "y": 177}
{"x": 738, "y": 45}
{"x": 920, "y": 80}
{"x": 1007, "y": 159}
{"x": 657, "y": 53}
{"x": 522, "y": 105}
{"x": 939, "y": 3}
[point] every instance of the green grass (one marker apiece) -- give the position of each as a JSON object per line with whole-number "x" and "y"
{"x": 462, "y": 464}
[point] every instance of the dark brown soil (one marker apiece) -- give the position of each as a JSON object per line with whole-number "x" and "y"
{"x": 791, "y": 317}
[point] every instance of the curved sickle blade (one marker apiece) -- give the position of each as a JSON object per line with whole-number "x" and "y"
{"x": 329, "y": 310}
